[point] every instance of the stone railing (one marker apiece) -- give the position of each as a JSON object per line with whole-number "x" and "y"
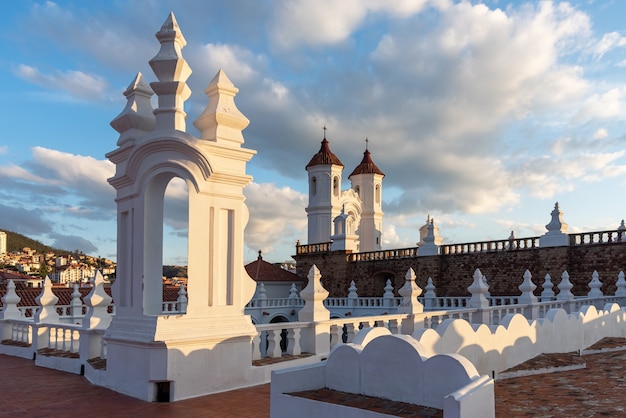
{"x": 491, "y": 246}
{"x": 598, "y": 237}
{"x": 63, "y": 338}
{"x": 383, "y": 255}
{"x": 284, "y": 339}
{"x": 313, "y": 248}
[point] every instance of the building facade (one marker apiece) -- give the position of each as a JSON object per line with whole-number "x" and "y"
{"x": 352, "y": 219}
{"x": 3, "y": 242}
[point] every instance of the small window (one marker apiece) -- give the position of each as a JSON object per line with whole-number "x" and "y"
{"x": 313, "y": 186}
{"x": 336, "y": 186}
{"x": 378, "y": 193}
{"x": 357, "y": 189}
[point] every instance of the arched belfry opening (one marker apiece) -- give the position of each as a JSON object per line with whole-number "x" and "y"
{"x": 186, "y": 350}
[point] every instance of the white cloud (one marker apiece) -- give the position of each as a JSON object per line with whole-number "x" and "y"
{"x": 82, "y": 181}
{"x": 237, "y": 62}
{"x": 603, "y": 105}
{"x": 323, "y": 22}
{"x": 608, "y": 42}
{"x": 77, "y": 84}
{"x": 276, "y": 216}
{"x": 4, "y": 149}
{"x": 601, "y": 133}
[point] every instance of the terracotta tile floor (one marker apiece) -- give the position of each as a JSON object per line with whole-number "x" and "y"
{"x": 30, "y": 391}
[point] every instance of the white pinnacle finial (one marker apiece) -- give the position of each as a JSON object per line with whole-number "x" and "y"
{"x": 137, "y": 116}
{"x": 221, "y": 121}
{"x": 172, "y": 71}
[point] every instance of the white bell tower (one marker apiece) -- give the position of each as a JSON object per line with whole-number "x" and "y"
{"x": 367, "y": 182}
{"x": 325, "y": 171}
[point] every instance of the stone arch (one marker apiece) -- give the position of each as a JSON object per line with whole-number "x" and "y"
{"x": 169, "y": 153}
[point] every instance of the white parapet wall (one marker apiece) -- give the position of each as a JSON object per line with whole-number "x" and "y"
{"x": 394, "y": 367}
{"x": 493, "y": 349}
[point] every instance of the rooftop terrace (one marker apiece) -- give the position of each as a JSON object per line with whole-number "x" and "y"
{"x": 30, "y": 390}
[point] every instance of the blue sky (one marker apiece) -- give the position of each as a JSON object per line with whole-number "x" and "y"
{"x": 482, "y": 114}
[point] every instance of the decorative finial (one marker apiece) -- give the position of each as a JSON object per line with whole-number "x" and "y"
{"x": 366, "y": 141}
{"x": 260, "y": 258}
{"x": 324, "y": 131}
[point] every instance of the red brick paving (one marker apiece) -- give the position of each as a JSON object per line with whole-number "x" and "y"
{"x": 30, "y": 391}
{"x": 27, "y": 390}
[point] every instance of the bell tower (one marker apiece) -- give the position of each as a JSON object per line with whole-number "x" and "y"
{"x": 367, "y": 181}
{"x": 325, "y": 171}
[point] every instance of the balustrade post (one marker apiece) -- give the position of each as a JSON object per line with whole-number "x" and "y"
{"x": 9, "y": 311}
{"x": 528, "y": 297}
{"x": 410, "y": 304}
{"x": 96, "y": 318}
{"x": 388, "y": 298}
{"x": 316, "y": 337}
{"x": 9, "y": 303}
{"x": 430, "y": 297}
{"x": 273, "y": 347}
{"x": 595, "y": 286}
{"x": 293, "y": 342}
{"x": 76, "y": 307}
{"x": 595, "y": 289}
{"x": 261, "y": 295}
{"x": 46, "y": 314}
{"x": 293, "y": 292}
{"x": 565, "y": 292}
{"x": 182, "y": 300}
{"x": 353, "y": 296}
{"x": 479, "y": 301}
{"x": 548, "y": 293}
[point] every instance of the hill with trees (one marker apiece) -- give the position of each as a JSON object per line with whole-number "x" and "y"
{"x": 15, "y": 242}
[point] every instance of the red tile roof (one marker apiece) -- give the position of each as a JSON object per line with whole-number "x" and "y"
{"x": 29, "y": 294}
{"x": 367, "y": 166}
{"x": 262, "y": 271}
{"x": 324, "y": 157}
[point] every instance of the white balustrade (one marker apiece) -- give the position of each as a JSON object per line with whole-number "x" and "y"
{"x": 64, "y": 337}
{"x": 21, "y": 332}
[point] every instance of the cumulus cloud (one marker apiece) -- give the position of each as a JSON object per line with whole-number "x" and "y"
{"x": 80, "y": 179}
{"x": 601, "y": 133}
{"x": 608, "y": 42}
{"x": 320, "y": 22}
{"x": 277, "y": 216}
{"x": 77, "y": 84}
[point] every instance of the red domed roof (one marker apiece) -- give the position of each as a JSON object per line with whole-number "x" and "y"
{"x": 367, "y": 166}
{"x": 324, "y": 157}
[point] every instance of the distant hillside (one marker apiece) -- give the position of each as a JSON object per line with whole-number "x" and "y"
{"x": 15, "y": 242}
